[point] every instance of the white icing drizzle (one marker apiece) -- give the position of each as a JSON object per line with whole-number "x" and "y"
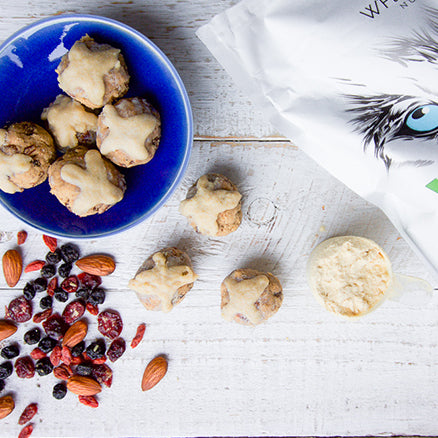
{"x": 95, "y": 188}
{"x": 127, "y": 134}
{"x": 11, "y": 165}
{"x": 204, "y": 207}
{"x": 84, "y": 74}
{"x": 162, "y": 281}
{"x": 66, "y": 118}
{"x": 243, "y": 296}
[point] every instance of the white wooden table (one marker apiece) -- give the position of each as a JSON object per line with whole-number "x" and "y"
{"x": 304, "y": 372}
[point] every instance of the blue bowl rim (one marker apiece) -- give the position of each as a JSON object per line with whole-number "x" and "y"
{"x": 187, "y": 107}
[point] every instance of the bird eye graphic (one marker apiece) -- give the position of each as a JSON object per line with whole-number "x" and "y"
{"x": 423, "y": 119}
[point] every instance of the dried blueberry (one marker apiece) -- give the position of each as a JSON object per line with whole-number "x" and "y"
{"x": 32, "y": 336}
{"x": 47, "y": 344}
{"x": 97, "y": 296}
{"x": 48, "y": 271}
{"x": 29, "y": 291}
{"x": 64, "y": 269}
{"x": 44, "y": 366}
{"x": 5, "y": 370}
{"x": 60, "y": 295}
{"x": 2, "y": 385}
{"x": 46, "y": 302}
{"x": 54, "y": 257}
{"x": 69, "y": 253}
{"x": 59, "y": 391}
{"x": 78, "y": 349}
{"x": 84, "y": 369}
{"x": 40, "y": 284}
{"x": 96, "y": 350}
{"x": 83, "y": 293}
{"x": 10, "y": 351}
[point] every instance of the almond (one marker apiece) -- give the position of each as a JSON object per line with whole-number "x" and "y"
{"x": 12, "y": 267}
{"x": 7, "y": 405}
{"x": 6, "y": 329}
{"x": 81, "y": 385}
{"x": 75, "y": 334}
{"x": 97, "y": 264}
{"x": 154, "y": 372}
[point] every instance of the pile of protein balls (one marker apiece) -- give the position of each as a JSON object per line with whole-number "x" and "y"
{"x": 93, "y": 133}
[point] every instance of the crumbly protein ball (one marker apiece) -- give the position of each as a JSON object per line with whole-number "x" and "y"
{"x": 92, "y": 73}
{"x": 85, "y": 182}
{"x": 26, "y": 152}
{"x": 164, "y": 279}
{"x": 213, "y": 205}
{"x": 349, "y": 275}
{"x": 129, "y": 132}
{"x": 70, "y": 123}
{"x": 250, "y": 297}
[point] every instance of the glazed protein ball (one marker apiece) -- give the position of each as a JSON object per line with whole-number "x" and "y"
{"x": 85, "y": 182}
{"x": 26, "y": 152}
{"x": 349, "y": 275}
{"x": 92, "y": 73}
{"x": 250, "y": 297}
{"x": 129, "y": 132}
{"x": 164, "y": 279}
{"x": 70, "y": 123}
{"x": 213, "y": 205}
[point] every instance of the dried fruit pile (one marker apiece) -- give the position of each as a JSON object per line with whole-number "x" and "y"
{"x": 58, "y": 340}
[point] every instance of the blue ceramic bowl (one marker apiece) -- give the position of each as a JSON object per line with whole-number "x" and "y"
{"x": 28, "y": 81}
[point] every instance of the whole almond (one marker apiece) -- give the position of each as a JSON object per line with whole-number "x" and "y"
{"x": 97, "y": 264}
{"x": 154, "y": 372}
{"x": 12, "y": 267}
{"x": 75, "y": 334}
{"x": 6, "y": 329}
{"x": 7, "y": 405}
{"x": 81, "y": 385}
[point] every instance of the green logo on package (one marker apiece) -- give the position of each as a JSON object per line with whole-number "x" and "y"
{"x": 433, "y": 185}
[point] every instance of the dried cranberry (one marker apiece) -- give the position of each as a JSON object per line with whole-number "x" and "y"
{"x": 73, "y": 311}
{"x": 55, "y": 326}
{"x": 89, "y": 280}
{"x": 28, "y": 413}
{"x": 24, "y": 367}
{"x": 41, "y": 316}
{"x": 110, "y": 323}
{"x": 103, "y": 374}
{"x": 20, "y": 309}
{"x": 116, "y": 349}
{"x": 52, "y": 286}
{"x": 70, "y": 284}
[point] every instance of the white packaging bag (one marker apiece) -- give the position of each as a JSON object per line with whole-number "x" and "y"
{"x": 355, "y": 85}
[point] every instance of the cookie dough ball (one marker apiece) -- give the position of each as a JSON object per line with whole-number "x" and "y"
{"x": 213, "y": 205}
{"x": 250, "y": 297}
{"x": 92, "y": 73}
{"x": 164, "y": 279}
{"x": 70, "y": 123}
{"x": 26, "y": 152}
{"x": 129, "y": 132}
{"x": 85, "y": 182}
{"x": 349, "y": 275}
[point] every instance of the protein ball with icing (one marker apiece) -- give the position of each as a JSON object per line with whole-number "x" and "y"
{"x": 129, "y": 132}
{"x": 26, "y": 152}
{"x": 250, "y": 297}
{"x": 85, "y": 182}
{"x": 70, "y": 123}
{"x": 164, "y": 279}
{"x": 213, "y": 205}
{"x": 349, "y": 275}
{"x": 92, "y": 73}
